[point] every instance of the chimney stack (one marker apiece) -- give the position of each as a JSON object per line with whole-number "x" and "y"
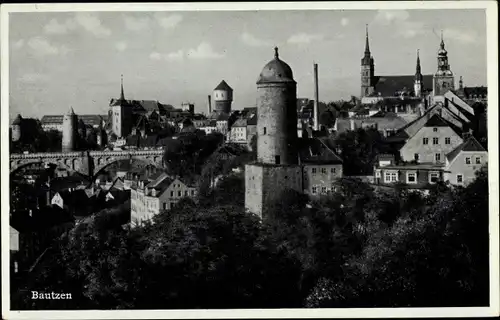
{"x": 316, "y": 98}
{"x": 209, "y": 104}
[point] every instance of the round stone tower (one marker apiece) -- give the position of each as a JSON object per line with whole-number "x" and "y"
{"x": 69, "y": 131}
{"x": 277, "y": 114}
{"x": 223, "y": 97}
{"x": 16, "y": 128}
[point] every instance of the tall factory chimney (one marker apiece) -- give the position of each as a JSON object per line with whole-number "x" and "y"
{"x": 209, "y": 104}
{"x": 316, "y": 98}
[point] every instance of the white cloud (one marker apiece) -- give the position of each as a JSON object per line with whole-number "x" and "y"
{"x": 344, "y": 22}
{"x": 302, "y": 38}
{"x": 155, "y": 56}
{"x": 175, "y": 56}
{"x": 459, "y": 35}
{"x": 33, "y": 78}
{"x": 121, "y": 45}
{"x": 92, "y": 24}
{"x": 400, "y": 22}
{"x": 168, "y": 22}
{"x": 251, "y": 40}
{"x": 204, "y": 51}
{"x": 136, "y": 24}
{"x": 172, "y": 56}
{"x": 54, "y": 27}
{"x": 18, "y": 44}
{"x": 42, "y": 47}
{"x": 390, "y": 16}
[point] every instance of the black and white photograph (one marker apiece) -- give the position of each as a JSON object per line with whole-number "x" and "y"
{"x": 253, "y": 159}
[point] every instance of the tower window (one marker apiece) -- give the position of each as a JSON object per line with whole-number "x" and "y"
{"x": 277, "y": 159}
{"x": 265, "y": 130}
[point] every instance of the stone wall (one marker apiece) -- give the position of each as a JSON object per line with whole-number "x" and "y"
{"x": 265, "y": 183}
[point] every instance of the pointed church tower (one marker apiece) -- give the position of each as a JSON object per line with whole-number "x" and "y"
{"x": 367, "y": 70}
{"x": 443, "y": 78}
{"x": 418, "y": 83}
{"x": 121, "y": 115}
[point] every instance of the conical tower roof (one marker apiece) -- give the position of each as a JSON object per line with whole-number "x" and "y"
{"x": 17, "y": 120}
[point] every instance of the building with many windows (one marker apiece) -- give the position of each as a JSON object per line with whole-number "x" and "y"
{"x": 149, "y": 198}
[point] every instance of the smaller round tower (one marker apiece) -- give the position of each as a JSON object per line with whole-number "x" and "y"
{"x": 16, "y": 128}
{"x": 223, "y": 97}
{"x": 69, "y": 131}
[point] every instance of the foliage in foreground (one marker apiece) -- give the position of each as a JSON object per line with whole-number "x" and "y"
{"x": 356, "y": 248}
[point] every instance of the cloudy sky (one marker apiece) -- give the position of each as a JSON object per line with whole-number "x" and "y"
{"x": 58, "y": 60}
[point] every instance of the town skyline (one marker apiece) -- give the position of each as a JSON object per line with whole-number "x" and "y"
{"x": 63, "y": 60}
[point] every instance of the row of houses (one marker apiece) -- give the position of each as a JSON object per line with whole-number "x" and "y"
{"x": 438, "y": 146}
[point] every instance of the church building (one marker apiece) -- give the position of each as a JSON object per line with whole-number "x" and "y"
{"x": 376, "y": 88}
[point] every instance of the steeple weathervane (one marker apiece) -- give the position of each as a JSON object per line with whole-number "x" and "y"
{"x": 442, "y": 40}
{"x": 276, "y": 55}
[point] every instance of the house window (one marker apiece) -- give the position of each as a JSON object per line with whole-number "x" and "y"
{"x": 164, "y": 206}
{"x": 192, "y": 192}
{"x": 435, "y": 140}
{"x": 478, "y": 160}
{"x": 314, "y": 190}
{"x": 277, "y": 159}
{"x": 323, "y": 189}
{"x": 390, "y": 176}
{"x": 416, "y": 156}
{"x": 172, "y": 205}
{"x": 179, "y": 193}
{"x": 460, "y": 178}
{"x": 467, "y": 160}
{"x": 377, "y": 173}
{"x": 438, "y": 156}
{"x": 447, "y": 140}
{"x": 334, "y": 187}
{"x": 426, "y": 140}
{"x": 171, "y": 193}
{"x": 313, "y": 170}
{"x": 435, "y": 129}
{"x": 433, "y": 177}
{"x": 323, "y": 170}
{"x": 186, "y": 193}
{"x": 333, "y": 170}
{"x": 411, "y": 177}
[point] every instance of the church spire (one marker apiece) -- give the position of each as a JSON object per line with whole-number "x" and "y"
{"x": 276, "y": 54}
{"x": 442, "y": 40}
{"x": 367, "y": 44}
{"x": 122, "y": 95}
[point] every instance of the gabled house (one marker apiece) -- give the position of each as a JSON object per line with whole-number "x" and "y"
{"x": 148, "y": 199}
{"x": 430, "y": 144}
{"x": 463, "y": 162}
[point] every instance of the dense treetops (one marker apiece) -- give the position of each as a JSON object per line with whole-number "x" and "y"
{"x": 358, "y": 247}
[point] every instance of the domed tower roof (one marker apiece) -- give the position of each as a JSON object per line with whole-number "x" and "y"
{"x": 276, "y": 71}
{"x": 17, "y": 120}
{"x": 223, "y": 86}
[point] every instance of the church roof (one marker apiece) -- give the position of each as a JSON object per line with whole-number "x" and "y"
{"x": 471, "y": 144}
{"x": 223, "y": 86}
{"x": 477, "y": 91}
{"x": 387, "y": 86}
